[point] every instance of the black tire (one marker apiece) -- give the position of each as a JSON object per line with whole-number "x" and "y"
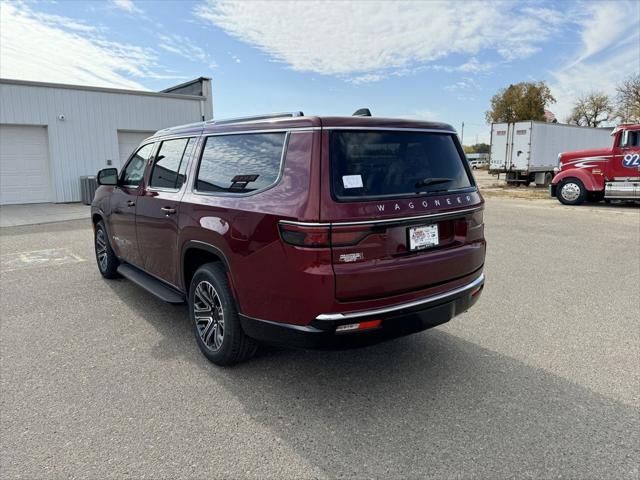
{"x": 571, "y": 191}
{"x": 219, "y": 335}
{"x": 106, "y": 259}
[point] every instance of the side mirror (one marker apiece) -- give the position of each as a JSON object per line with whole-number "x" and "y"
{"x": 108, "y": 176}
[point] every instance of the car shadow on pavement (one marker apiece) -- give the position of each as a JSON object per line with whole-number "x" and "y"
{"x": 428, "y": 405}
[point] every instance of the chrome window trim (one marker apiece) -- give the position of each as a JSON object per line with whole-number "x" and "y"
{"x": 285, "y": 147}
{"x": 384, "y": 220}
{"x": 162, "y": 189}
{"x": 415, "y": 303}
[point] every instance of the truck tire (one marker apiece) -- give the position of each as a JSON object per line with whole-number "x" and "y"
{"x": 571, "y": 191}
{"x": 215, "y": 320}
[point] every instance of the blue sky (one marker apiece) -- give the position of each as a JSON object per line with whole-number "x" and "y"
{"x": 429, "y": 60}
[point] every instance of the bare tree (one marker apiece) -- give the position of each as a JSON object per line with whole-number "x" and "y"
{"x": 628, "y": 100}
{"x": 591, "y": 110}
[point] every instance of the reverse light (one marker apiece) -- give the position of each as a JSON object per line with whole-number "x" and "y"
{"x": 351, "y": 327}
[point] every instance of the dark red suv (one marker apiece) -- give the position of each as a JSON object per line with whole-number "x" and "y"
{"x": 297, "y": 230}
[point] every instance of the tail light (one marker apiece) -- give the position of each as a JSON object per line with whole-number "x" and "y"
{"x": 311, "y": 236}
{"x": 477, "y": 218}
{"x": 305, "y": 236}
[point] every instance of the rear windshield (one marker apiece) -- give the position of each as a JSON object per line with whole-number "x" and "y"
{"x": 391, "y": 164}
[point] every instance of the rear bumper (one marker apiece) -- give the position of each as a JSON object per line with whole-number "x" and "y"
{"x": 397, "y": 320}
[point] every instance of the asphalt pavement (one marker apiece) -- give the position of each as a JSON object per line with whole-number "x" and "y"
{"x": 541, "y": 379}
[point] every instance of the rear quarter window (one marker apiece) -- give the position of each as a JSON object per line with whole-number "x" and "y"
{"x": 243, "y": 163}
{"x": 370, "y": 164}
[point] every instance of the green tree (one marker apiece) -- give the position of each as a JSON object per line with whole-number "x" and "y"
{"x": 481, "y": 148}
{"x": 468, "y": 149}
{"x": 591, "y": 110}
{"x": 628, "y": 100}
{"x": 521, "y": 101}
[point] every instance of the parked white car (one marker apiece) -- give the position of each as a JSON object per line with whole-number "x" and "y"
{"x": 475, "y": 164}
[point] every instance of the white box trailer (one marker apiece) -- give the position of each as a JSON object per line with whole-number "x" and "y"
{"x": 528, "y": 151}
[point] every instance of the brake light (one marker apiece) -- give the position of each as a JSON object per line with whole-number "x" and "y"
{"x": 305, "y": 236}
{"x": 323, "y": 236}
{"x": 352, "y": 235}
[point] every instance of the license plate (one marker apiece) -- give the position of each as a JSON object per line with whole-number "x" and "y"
{"x": 424, "y": 236}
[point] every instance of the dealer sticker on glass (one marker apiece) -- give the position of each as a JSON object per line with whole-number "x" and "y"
{"x": 424, "y": 236}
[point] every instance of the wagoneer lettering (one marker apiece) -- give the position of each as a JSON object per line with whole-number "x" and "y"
{"x": 297, "y": 230}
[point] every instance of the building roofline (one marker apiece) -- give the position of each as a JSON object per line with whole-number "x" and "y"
{"x": 30, "y": 83}
{"x": 189, "y": 82}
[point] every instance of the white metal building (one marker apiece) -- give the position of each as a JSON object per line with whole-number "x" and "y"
{"x": 52, "y": 134}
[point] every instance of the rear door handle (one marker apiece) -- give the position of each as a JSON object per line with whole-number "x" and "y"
{"x": 131, "y": 203}
{"x": 168, "y": 210}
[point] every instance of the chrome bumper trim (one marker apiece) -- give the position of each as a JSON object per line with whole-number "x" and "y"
{"x": 415, "y": 303}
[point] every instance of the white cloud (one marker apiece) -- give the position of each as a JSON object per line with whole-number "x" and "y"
{"x": 185, "y": 48}
{"x": 126, "y": 5}
{"x": 359, "y": 38}
{"x": 36, "y": 46}
{"x": 609, "y": 53}
{"x": 467, "y": 83}
{"x": 366, "y": 78}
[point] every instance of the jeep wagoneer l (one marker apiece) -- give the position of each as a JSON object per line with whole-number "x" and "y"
{"x": 297, "y": 230}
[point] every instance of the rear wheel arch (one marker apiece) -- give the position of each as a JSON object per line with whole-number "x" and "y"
{"x": 195, "y": 254}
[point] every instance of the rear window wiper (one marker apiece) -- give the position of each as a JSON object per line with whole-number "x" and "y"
{"x": 432, "y": 181}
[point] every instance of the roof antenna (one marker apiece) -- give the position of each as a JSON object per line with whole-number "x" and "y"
{"x": 362, "y": 112}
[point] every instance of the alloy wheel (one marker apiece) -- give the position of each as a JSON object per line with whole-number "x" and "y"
{"x": 101, "y": 249}
{"x": 209, "y": 315}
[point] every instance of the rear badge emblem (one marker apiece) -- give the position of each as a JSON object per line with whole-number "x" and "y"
{"x": 351, "y": 257}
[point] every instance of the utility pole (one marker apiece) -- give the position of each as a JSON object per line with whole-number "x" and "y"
{"x": 462, "y": 135}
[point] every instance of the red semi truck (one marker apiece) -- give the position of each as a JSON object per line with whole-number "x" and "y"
{"x": 602, "y": 173}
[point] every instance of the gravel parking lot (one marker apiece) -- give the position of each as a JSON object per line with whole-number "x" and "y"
{"x": 541, "y": 379}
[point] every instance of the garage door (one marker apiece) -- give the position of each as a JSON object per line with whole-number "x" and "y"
{"x": 24, "y": 165}
{"x": 128, "y": 142}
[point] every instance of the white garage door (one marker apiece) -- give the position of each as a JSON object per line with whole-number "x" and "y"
{"x": 128, "y": 142}
{"x": 24, "y": 165}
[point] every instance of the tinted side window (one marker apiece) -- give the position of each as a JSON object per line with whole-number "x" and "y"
{"x": 134, "y": 171}
{"x": 240, "y": 163}
{"x": 171, "y": 162}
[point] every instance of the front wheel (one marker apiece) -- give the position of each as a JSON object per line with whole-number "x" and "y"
{"x": 107, "y": 260}
{"x": 215, "y": 320}
{"x": 571, "y": 191}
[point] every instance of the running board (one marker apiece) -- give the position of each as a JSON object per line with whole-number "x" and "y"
{"x": 151, "y": 284}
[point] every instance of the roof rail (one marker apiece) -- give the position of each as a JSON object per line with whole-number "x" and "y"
{"x": 180, "y": 127}
{"x": 265, "y": 116}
